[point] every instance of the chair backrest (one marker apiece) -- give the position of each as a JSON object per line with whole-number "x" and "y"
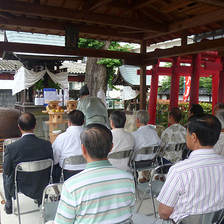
{"x": 50, "y": 199}
{"x": 206, "y": 218}
{"x": 73, "y": 160}
{"x": 7, "y": 142}
{"x": 34, "y": 166}
{"x": 121, "y": 154}
{"x": 176, "y": 147}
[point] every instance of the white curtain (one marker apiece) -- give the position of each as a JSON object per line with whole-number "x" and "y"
{"x": 129, "y": 93}
{"x": 25, "y": 78}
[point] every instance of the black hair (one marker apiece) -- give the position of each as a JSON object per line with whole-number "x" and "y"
{"x": 84, "y": 91}
{"x": 196, "y": 109}
{"x": 27, "y": 121}
{"x": 175, "y": 112}
{"x": 97, "y": 140}
{"x": 76, "y": 117}
{"x": 207, "y": 128}
{"x": 118, "y": 117}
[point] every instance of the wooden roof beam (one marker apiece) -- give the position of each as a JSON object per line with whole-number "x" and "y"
{"x": 196, "y": 21}
{"x": 83, "y": 52}
{"x": 88, "y": 6}
{"x": 60, "y": 27}
{"x": 175, "y": 5}
{"x": 211, "y": 2}
{"x": 142, "y": 3}
{"x": 78, "y": 16}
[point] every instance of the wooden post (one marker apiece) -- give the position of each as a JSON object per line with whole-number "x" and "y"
{"x": 143, "y": 80}
{"x": 194, "y": 91}
{"x": 174, "y": 88}
{"x": 153, "y": 94}
{"x": 221, "y": 84}
{"x": 215, "y": 84}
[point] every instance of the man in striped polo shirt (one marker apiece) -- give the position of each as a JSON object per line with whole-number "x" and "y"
{"x": 194, "y": 185}
{"x": 101, "y": 193}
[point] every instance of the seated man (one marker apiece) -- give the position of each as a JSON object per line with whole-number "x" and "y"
{"x": 145, "y": 136}
{"x": 218, "y": 107}
{"x": 195, "y": 109}
{"x": 194, "y": 185}
{"x": 219, "y": 146}
{"x": 92, "y": 107}
{"x": 174, "y": 134}
{"x": 122, "y": 140}
{"x": 28, "y": 148}
{"x": 101, "y": 193}
{"x": 68, "y": 144}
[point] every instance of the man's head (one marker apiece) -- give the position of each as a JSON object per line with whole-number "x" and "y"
{"x": 75, "y": 118}
{"x": 174, "y": 116}
{"x": 96, "y": 141}
{"x": 141, "y": 118}
{"x": 218, "y": 107}
{"x": 203, "y": 130}
{"x": 220, "y": 116}
{"x": 27, "y": 122}
{"x": 117, "y": 119}
{"x": 83, "y": 91}
{"x": 196, "y": 109}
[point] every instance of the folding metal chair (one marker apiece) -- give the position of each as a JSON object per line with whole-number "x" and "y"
{"x": 74, "y": 160}
{"x": 7, "y": 142}
{"x": 148, "y": 164}
{"x": 205, "y": 218}
{"x": 119, "y": 157}
{"x": 175, "y": 151}
{"x": 153, "y": 187}
{"x": 50, "y": 200}
{"x": 33, "y": 166}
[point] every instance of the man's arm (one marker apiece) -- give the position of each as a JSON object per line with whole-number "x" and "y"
{"x": 165, "y": 211}
{"x": 7, "y": 164}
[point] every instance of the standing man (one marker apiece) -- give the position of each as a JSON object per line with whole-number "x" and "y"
{"x": 194, "y": 185}
{"x": 101, "y": 193}
{"x": 174, "y": 134}
{"x": 122, "y": 140}
{"x": 28, "y": 148}
{"x": 145, "y": 136}
{"x": 68, "y": 144}
{"x": 92, "y": 107}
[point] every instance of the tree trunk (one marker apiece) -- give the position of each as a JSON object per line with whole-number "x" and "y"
{"x": 96, "y": 75}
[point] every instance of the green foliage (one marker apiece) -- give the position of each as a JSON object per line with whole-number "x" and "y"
{"x": 162, "y": 111}
{"x": 52, "y": 84}
{"x": 39, "y": 85}
{"x": 206, "y": 82}
{"x": 90, "y": 43}
{"x": 110, "y": 64}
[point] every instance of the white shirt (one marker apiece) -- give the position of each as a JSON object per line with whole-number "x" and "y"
{"x": 145, "y": 136}
{"x": 176, "y": 133}
{"x": 219, "y": 146}
{"x": 195, "y": 185}
{"x": 68, "y": 144}
{"x": 122, "y": 141}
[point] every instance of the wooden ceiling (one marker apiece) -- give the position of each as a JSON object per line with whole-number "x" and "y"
{"x": 132, "y": 21}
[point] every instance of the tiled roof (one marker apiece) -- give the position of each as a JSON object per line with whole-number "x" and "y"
{"x": 35, "y": 38}
{"x": 9, "y": 65}
{"x": 129, "y": 74}
{"x": 74, "y": 67}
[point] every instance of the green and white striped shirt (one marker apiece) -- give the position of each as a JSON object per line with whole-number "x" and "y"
{"x": 100, "y": 194}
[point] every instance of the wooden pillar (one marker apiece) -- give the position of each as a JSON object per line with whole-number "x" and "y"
{"x": 194, "y": 91}
{"x": 174, "y": 88}
{"x": 153, "y": 94}
{"x": 143, "y": 80}
{"x": 215, "y": 84}
{"x": 221, "y": 84}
